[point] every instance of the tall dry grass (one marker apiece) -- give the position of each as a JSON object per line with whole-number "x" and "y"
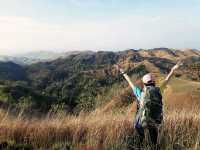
{"x": 96, "y": 131}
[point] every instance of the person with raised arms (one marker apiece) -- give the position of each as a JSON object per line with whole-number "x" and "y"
{"x": 149, "y": 115}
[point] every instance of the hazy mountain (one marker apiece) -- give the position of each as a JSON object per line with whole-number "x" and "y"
{"x": 19, "y": 60}
{"x": 49, "y": 55}
{"x": 35, "y": 57}
{"x": 42, "y": 55}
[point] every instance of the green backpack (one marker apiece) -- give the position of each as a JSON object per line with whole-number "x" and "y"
{"x": 151, "y": 114}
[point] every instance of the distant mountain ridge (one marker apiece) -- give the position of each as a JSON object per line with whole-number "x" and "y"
{"x": 35, "y": 57}
{"x": 19, "y": 60}
{"x": 44, "y": 56}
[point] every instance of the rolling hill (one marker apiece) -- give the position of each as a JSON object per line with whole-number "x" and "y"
{"x": 31, "y": 57}
{"x": 80, "y": 81}
{"x": 36, "y": 57}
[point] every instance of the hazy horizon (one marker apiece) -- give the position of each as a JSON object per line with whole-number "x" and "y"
{"x": 64, "y": 25}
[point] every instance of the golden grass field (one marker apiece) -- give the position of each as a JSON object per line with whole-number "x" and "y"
{"x": 107, "y": 130}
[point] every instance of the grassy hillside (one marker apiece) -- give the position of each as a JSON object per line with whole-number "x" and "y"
{"x": 97, "y": 131}
{"x": 89, "y": 106}
{"x": 182, "y": 93}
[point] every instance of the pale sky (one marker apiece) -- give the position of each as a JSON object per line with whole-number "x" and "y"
{"x": 32, "y": 25}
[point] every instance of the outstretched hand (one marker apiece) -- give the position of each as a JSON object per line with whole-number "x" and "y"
{"x": 119, "y": 68}
{"x": 171, "y": 72}
{"x": 177, "y": 66}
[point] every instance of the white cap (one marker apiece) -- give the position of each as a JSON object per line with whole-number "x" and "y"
{"x": 148, "y": 78}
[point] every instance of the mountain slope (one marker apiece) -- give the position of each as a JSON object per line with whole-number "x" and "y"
{"x": 11, "y": 71}
{"x": 38, "y": 56}
{"x": 81, "y": 80}
{"x": 32, "y": 57}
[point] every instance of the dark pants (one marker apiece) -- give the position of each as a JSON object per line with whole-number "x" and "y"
{"x": 151, "y": 133}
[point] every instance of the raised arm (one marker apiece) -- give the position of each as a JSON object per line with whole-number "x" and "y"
{"x": 167, "y": 79}
{"x": 125, "y": 76}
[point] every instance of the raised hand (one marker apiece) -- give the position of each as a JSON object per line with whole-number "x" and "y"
{"x": 177, "y": 66}
{"x": 119, "y": 68}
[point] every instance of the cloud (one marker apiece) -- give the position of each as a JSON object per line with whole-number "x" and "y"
{"x": 19, "y": 34}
